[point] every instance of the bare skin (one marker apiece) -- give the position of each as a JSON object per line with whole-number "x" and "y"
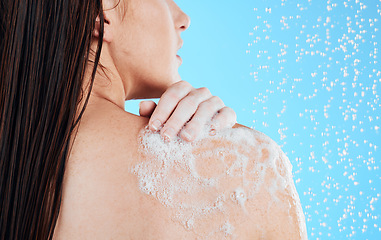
{"x": 101, "y": 198}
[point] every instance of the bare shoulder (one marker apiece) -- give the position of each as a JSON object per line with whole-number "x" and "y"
{"x": 100, "y": 198}
{"x": 124, "y": 182}
{"x": 275, "y": 203}
{"x": 237, "y": 184}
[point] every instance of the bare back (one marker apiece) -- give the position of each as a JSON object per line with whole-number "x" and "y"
{"x": 104, "y": 196}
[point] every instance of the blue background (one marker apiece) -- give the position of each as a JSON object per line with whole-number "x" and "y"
{"x": 306, "y": 73}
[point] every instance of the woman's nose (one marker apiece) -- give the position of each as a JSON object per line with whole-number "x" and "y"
{"x": 185, "y": 21}
{"x": 182, "y": 20}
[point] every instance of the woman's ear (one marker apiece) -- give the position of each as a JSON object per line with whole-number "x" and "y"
{"x": 107, "y": 31}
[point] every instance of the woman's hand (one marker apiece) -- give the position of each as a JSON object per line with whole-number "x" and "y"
{"x": 182, "y": 105}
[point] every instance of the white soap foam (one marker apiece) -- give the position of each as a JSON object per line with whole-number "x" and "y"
{"x": 208, "y": 187}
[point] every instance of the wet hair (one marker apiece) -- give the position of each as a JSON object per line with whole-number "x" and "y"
{"x": 45, "y": 47}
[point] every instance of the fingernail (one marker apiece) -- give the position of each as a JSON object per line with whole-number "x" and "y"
{"x": 156, "y": 125}
{"x": 187, "y": 134}
{"x": 169, "y": 134}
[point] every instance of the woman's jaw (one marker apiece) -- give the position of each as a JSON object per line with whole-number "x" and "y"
{"x": 139, "y": 52}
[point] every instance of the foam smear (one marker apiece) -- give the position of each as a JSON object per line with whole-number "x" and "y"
{"x": 216, "y": 183}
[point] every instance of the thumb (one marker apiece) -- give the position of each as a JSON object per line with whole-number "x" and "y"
{"x": 146, "y": 108}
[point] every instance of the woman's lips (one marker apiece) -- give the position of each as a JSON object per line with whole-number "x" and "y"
{"x": 179, "y": 58}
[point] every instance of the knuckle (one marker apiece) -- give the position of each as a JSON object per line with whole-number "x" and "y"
{"x": 173, "y": 95}
{"x": 230, "y": 112}
{"x": 179, "y": 89}
{"x": 213, "y": 104}
{"x": 227, "y": 110}
{"x": 188, "y": 103}
{"x": 218, "y": 101}
{"x": 207, "y": 106}
{"x": 204, "y": 91}
{"x": 184, "y": 84}
{"x": 194, "y": 95}
{"x": 193, "y": 99}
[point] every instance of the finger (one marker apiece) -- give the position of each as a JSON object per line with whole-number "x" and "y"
{"x": 204, "y": 114}
{"x": 225, "y": 118}
{"x": 184, "y": 111}
{"x": 168, "y": 103}
{"x": 146, "y": 108}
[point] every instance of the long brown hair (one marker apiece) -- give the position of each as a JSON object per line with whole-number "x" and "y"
{"x": 44, "y": 46}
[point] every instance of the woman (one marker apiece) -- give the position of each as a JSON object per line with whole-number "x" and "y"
{"x": 65, "y": 180}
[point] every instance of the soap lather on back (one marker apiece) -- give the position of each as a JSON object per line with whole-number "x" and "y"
{"x": 234, "y": 185}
